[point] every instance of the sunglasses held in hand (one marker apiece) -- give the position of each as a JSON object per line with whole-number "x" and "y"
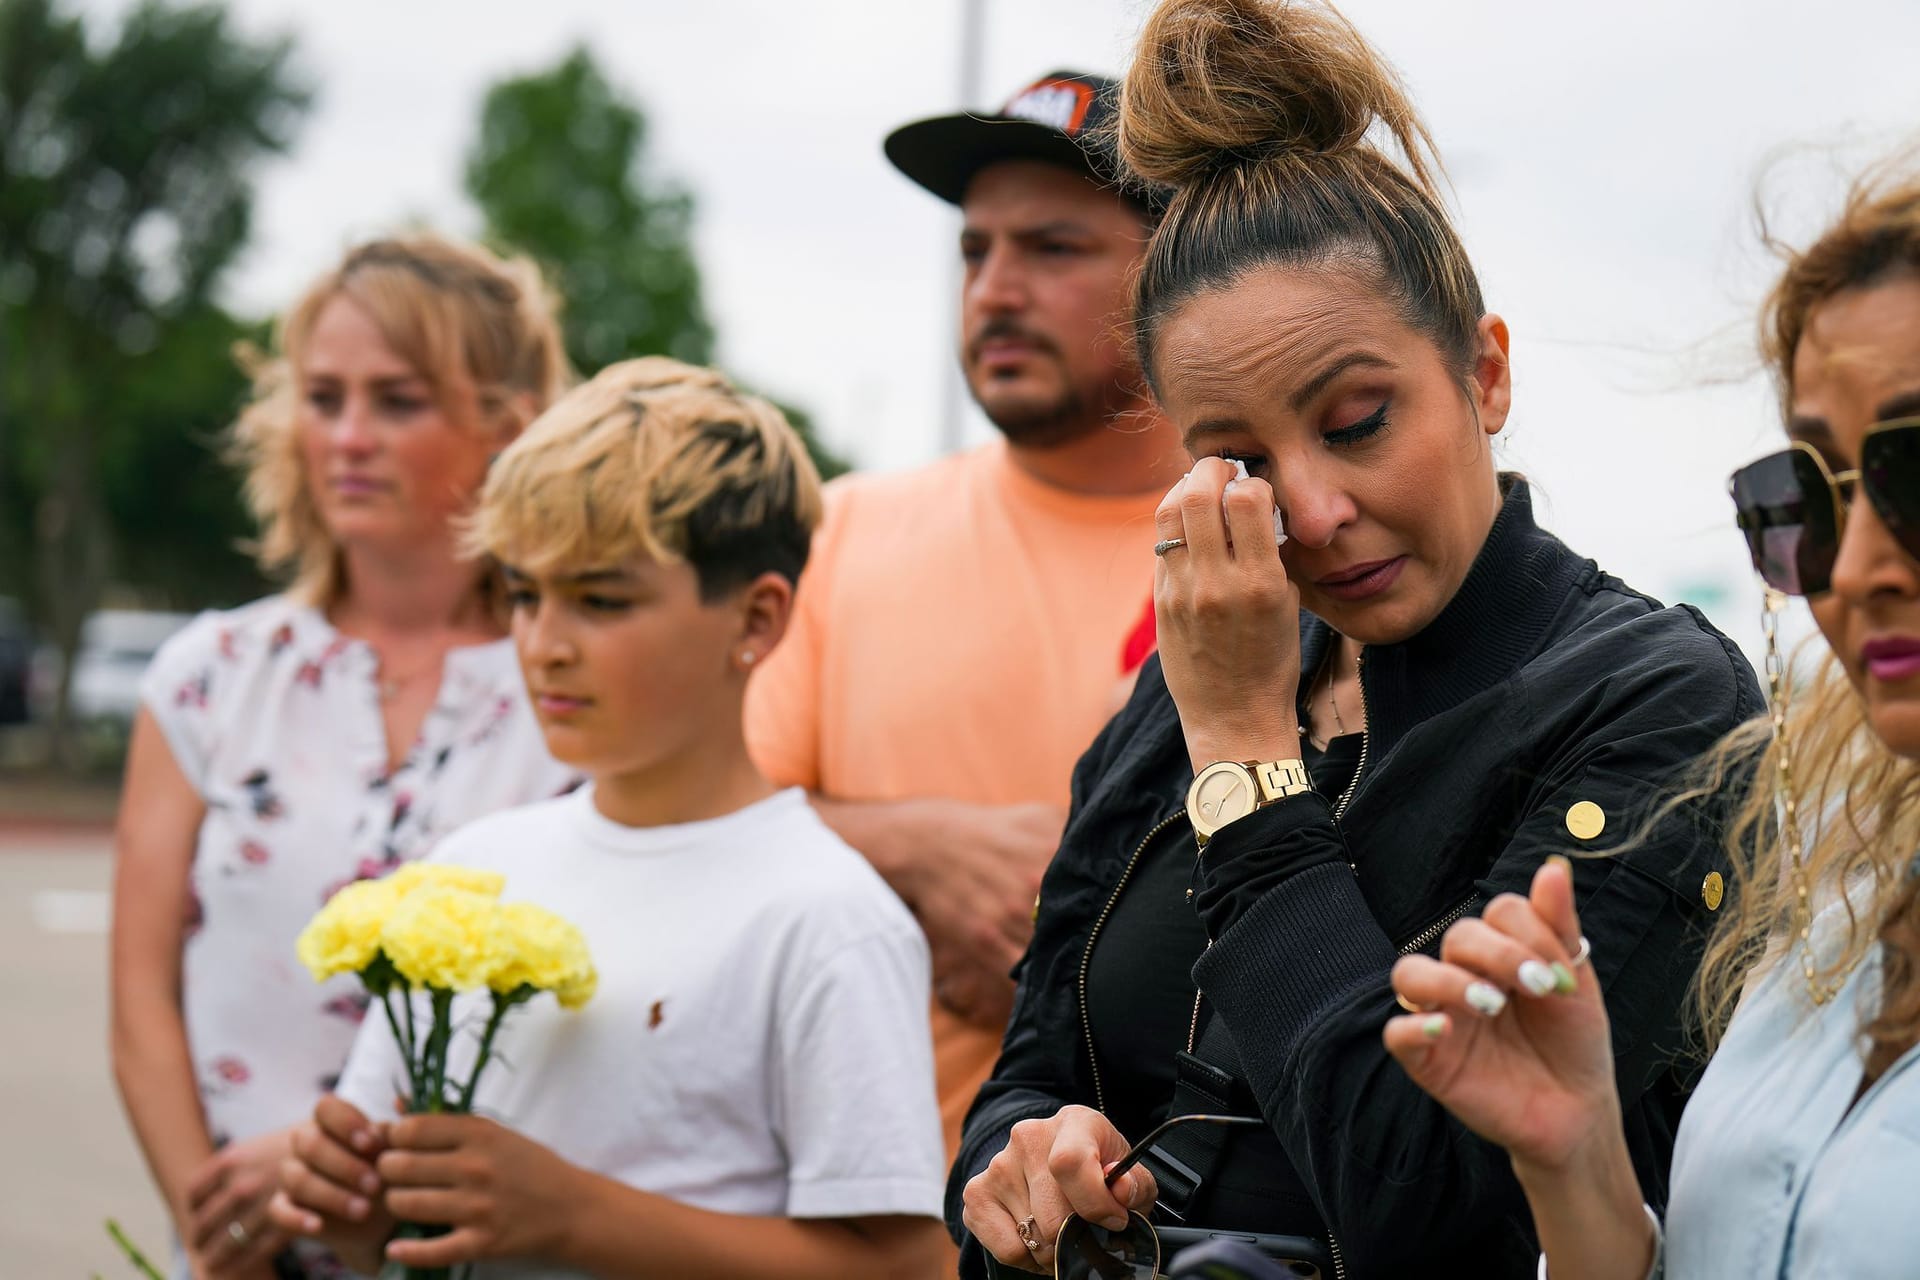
{"x": 1793, "y": 508}
{"x": 1087, "y": 1251}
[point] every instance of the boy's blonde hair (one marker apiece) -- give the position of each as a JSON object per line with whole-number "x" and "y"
{"x": 659, "y": 459}
{"x": 458, "y": 314}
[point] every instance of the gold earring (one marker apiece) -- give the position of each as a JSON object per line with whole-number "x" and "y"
{"x": 1801, "y": 919}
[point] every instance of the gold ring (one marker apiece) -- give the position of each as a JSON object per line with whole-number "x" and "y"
{"x": 1582, "y": 954}
{"x": 1029, "y": 1229}
{"x": 1406, "y": 1004}
{"x": 1165, "y": 545}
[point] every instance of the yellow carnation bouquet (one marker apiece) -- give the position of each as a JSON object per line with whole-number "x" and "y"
{"x": 443, "y": 930}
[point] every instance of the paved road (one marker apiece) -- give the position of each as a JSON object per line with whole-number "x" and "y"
{"x": 70, "y": 1161}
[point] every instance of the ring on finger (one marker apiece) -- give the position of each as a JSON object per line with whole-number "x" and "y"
{"x": 1029, "y": 1229}
{"x": 1165, "y": 545}
{"x": 1582, "y": 954}
{"x": 1407, "y": 1004}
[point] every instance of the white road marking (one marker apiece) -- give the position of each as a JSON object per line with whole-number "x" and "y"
{"x": 72, "y": 910}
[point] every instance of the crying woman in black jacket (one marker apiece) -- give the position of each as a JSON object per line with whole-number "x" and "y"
{"x": 1463, "y": 696}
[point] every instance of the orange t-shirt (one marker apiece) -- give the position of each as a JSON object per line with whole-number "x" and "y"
{"x": 961, "y": 631}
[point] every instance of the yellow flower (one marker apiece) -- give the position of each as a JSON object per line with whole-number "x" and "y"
{"x": 420, "y": 875}
{"x": 444, "y": 937}
{"x": 344, "y": 937}
{"x": 543, "y": 951}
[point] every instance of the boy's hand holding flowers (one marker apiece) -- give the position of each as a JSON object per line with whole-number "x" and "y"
{"x": 439, "y": 929}
{"x": 329, "y": 1187}
{"x": 503, "y": 1195}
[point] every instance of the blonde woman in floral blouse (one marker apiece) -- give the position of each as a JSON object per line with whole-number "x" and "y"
{"x": 325, "y": 734}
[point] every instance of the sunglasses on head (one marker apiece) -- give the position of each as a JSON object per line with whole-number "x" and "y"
{"x": 1792, "y": 509}
{"x": 1087, "y": 1251}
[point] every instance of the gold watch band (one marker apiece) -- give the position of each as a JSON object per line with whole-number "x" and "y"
{"x": 1279, "y": 779}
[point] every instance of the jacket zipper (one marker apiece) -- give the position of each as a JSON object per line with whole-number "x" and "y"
{"x": 1366, "y": 739}
{"x": 1438, "y": 927}
{"x": 1086, "y": 955}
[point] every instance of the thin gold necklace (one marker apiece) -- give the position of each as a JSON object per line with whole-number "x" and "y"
{"x": 1333, "y": 703}
{"x": 390, "y": 687}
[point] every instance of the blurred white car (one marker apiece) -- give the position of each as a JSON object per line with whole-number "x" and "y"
{"x": 115, "y": 647}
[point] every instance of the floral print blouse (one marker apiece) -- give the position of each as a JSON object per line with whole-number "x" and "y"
{"x": 275, "y": 719}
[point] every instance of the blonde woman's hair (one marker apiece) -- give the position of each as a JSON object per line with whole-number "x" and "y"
{"x": 460, "y": 316}
{"x": 656, "y": 459}
{"x": 1858, "y": 802}
{"x": 1257, "y": 115}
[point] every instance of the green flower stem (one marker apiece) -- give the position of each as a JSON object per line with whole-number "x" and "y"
{"x": 392, "y": 1021}
{"x": 414, "y": 1078}
{"x": 128, "y": 1247}
{"x": 501, "y": 1004}
{"x": 438, "y": 1040}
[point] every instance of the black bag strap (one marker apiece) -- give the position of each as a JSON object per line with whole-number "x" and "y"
{"x": 1186, "y": 1159}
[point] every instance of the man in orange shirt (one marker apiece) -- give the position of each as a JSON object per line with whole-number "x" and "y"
{"x": 963, "y": 630}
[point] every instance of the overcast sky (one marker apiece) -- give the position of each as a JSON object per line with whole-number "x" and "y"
{"x": 1605, "y": 159}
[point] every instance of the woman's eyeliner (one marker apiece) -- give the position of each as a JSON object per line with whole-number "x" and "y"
{"x": 1367, "y": 427}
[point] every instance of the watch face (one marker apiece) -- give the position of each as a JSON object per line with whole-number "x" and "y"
{"x": 1220, "y": 796}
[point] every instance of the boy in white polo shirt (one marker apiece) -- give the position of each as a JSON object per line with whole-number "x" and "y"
{"x": 750, "y": 1092}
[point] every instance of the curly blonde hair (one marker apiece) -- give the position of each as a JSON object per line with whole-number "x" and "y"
{"x": 1856, "y": 799}
{"x": 461, "y": 316}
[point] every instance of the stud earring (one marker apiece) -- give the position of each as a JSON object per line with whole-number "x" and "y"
{"x": 746, "y": 657}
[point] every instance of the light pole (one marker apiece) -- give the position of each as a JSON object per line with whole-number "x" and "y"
{"x": 973, "y": 39}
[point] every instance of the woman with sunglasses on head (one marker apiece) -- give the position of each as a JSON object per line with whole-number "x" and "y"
{"x": 1798, "y": 1154}
{"x": 328, "y": 732}
{"x": 1372, "y": 729}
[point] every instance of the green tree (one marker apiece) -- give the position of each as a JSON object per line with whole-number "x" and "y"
{"x": 559, "y": 172}
{"x": 125, "y": 195}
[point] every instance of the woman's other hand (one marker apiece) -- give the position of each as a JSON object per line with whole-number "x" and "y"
{"x": 1227, "y": 618}
{"x": 231, "y": 1233}
{"x": 1048, "y": 1169}
{"x": 1515, "y": 1041}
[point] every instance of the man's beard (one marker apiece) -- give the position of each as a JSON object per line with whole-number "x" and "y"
{"x": 1043, "y": 425}
{"x": 1036, "y": 424}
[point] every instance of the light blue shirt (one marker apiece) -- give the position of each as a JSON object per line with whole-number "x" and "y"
{"x": 1774, "y": 1173}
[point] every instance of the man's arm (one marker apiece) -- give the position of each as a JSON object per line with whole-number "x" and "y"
{"x": 970, "y": 873}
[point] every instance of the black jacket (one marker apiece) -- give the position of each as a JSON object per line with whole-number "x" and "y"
{"x": 1542, "y": 684}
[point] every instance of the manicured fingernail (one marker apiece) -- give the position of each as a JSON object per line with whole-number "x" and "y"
{"x": 1486, "y": 998}
{"x": 362, "y": 1140}
{"x": 1115, "y": 1222}
{"x": 311, "y": 1224}
{"x": 1560, "y": 860}
{"x": 370, "y": 1183}
{"x": 1564, "y": 983}
{"x": 1434, "y": 1026}
{"x": 356, "y": 1208}
{"x": 1537, "y": 978}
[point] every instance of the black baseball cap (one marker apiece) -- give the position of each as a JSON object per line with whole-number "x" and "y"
{"x": 1060, "y": 118}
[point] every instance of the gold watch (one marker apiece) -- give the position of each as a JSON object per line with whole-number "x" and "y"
{"x": 1228, "y": 790}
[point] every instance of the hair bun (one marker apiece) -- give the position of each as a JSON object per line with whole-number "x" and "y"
{"x": 1220, "y": 83}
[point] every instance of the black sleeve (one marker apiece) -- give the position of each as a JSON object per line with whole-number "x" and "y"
{"x": 1299, "y": 978}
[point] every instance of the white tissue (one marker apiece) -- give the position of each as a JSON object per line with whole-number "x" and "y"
{"x": 1239, "y": 474}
